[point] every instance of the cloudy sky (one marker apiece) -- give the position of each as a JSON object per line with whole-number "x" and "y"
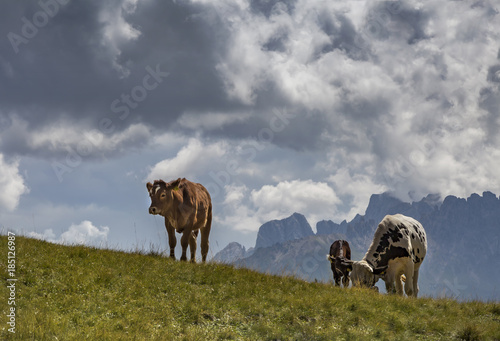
{"x": 276, "y": 107}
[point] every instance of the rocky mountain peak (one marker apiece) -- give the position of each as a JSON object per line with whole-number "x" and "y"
{"x": 382, "y": 204}
{"x": 325, "y": 227}
{"x": 279, "y": 231}
{"x": 232, "y": 252}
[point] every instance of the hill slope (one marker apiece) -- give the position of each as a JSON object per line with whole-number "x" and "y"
{"x": 80, "y": 293}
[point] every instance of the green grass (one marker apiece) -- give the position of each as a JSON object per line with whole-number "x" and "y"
{"x": 81, "y": 293}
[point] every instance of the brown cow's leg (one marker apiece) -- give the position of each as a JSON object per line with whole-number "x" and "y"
{"x": 205, "y": 232}
{"x": 184, "y": 243}
{"x": 172, "y": 240}
{"x": 192, "y": 245}
{"x": 337, "y": 276}
{"x": 345, "y": 280}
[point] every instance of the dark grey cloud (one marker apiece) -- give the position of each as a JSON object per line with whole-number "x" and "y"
{"x": 390, "y": 19}
{"x": 494, "y": 74}
{"x": 277, "y": 42}
{"x": 487, "y": 6}
{"x": 343, "y": 36}
{"x": 187, "y": 44}
{"x": 489, "y": 101}
{"x": 65, "y": 69}
{"x": 268, "y": 7}
{"x": 68, "y": 70}
{"x": 58, "y": 68}
{"x": 299, "y": 130}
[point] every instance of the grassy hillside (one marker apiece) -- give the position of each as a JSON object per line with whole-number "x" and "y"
{"x": 80, "y": 293}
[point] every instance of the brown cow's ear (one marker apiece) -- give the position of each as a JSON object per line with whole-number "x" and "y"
{"x": 175, "y": 185}
{"x": 149, "y": 185}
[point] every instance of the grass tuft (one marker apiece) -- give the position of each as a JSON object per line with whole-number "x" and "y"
{"x": 469, "y": 333}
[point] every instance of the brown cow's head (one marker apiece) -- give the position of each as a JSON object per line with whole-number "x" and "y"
{"x": 342, "y": 265}
{"x": 162, "y": 195}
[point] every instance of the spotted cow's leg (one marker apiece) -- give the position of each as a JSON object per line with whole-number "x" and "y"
{"x": 389, "y": 283}
{"x": 415, "y": 282}
{"x": 409, "y": 273}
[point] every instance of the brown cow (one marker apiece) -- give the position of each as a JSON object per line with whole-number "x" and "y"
{"x": 187, "y": 209}
{"x": 339, "y": 253}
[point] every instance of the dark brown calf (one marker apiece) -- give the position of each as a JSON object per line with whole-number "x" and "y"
{"x": 339, "y": 252}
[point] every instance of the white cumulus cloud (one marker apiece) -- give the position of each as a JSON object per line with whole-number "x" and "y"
{"x": 315, "y": 200}
{"x": 117, "y": 31}
{"x": 191, "y": 160}
{"x": 47, "y": 235}
{"x": 85, "y": 233}
{"x": 246, "y": 210}
{"x": 238, "y": 213}
{"x": 12, "y": 184}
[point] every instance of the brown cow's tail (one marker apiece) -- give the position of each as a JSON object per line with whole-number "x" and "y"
{"x": 205, "y": 232}
{"x": 208, "y": 226}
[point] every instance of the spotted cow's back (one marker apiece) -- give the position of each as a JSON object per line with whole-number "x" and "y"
{"x": 397, "y": 236}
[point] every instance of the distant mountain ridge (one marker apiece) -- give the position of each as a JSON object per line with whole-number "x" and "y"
{"x": 462, "y": 259}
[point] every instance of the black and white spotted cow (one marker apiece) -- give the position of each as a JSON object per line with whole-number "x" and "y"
{"x": 398, "y": 249}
